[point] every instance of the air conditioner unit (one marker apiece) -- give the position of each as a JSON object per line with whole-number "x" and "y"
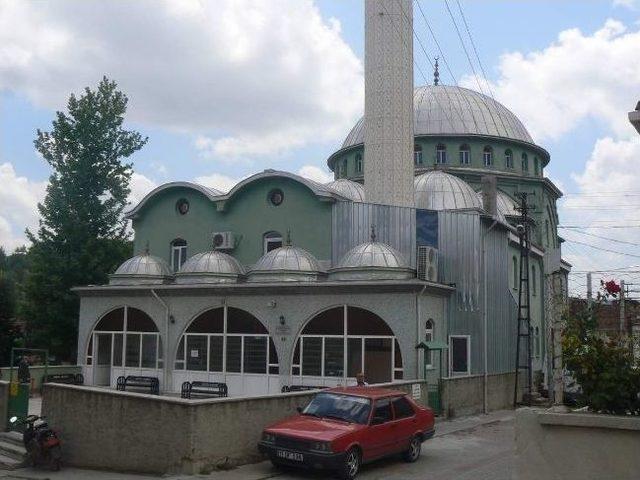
{"x": 427, "y": 263}
{"x": 224, "y": 240}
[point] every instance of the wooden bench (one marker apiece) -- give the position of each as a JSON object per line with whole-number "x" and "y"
{"x": 68, "y": 378}
{"x": 143, "y": 383}
{"x": 204, "y": 389}
{"x": 300, "y": 388}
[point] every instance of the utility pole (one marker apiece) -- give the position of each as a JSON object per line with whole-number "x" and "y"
{"x": 623, "y": 323}
{"x": 557, "y": 303}
{"x": 524, "y": 310}
{"x": 589, "y": 290}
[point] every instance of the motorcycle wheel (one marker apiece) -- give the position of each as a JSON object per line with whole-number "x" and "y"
{"x": 55, "y": 458}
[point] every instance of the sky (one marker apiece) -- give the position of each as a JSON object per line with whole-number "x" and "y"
{"x": 227, "y": 88}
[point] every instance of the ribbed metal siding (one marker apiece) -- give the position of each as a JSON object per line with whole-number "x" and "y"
{"x": 351, "y": 226}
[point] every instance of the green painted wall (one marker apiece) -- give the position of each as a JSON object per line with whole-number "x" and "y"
{"x": 248, "y": 214}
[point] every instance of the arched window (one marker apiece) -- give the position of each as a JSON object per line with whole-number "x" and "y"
{"x": 536, "y": 166}
{"x": 465, "y": 156}
{"x": 508, "y": 158}
{"x": 371, "y": 347}
{"x": 241, "y": 344}
{"x": 358, "y": 163}
{"x": 270, "y": 241}
{"x": 178, "y": 253}
{"x": 124, "y": 337}
{"x": 344, "y": 167}
{"x": 441, "y": 154}
{"x": 546, "y": 232}
{"x": 417, "y": 154}
{"x": 516, "y": 273}
{"x": 525, "y": 162}
{"x": 428, "y": 337}
{"x": 536, "y": 337}
{"x": 534, "y": 281}
{"x": 487, "y": 156}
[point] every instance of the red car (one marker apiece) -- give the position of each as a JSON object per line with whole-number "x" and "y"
{"x": 341, "y": 428}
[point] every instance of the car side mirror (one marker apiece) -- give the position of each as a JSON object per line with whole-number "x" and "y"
{"x": 299, "y": 409}
{"x": 377, "y": 421}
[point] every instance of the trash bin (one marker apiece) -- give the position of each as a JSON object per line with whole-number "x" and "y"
{"x": 18, "y": 401}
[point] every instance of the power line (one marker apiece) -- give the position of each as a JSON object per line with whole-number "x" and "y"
{"x": 603, "y": 249}
{"x": 606, "y": 238}
{"x": 598, "y": 226}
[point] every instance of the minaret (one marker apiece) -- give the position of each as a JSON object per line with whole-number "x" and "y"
{"x": 388, "y": 105}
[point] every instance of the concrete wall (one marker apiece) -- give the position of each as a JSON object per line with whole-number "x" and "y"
{"x": 146, "y": 433}
{"x": 580, "y": 446}
{"x": 4, "y": 404}
{"x": 465, "y": 395}
{"x": 37, "y": 372}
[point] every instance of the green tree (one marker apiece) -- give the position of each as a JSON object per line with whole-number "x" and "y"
{"x": 82, "y": 233}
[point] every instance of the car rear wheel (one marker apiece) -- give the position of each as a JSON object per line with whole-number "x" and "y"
{"x": 413, "y": 453}
{"x": 351, "y": 465}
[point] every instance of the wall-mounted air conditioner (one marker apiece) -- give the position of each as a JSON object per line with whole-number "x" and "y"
{"x": 224, "y": 240}
{"x": 427, "y": 263}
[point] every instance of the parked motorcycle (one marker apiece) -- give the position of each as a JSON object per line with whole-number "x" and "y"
{"x": 41, "y": 442}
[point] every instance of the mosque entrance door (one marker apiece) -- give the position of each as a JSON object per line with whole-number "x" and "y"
{"x": 102, "y": 369}
{"x": 378, "y": 360}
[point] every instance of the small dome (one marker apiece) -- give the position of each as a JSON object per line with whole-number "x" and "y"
{"x": 286, "y": 264}
{"x": 438, "y": 190}
{"x": 372, "y": 261}
{"x": 505, "y": 205}
{"x": 142, "y": 269}
{"x": 348, "y": 189}
{"x": 210, "y": 267}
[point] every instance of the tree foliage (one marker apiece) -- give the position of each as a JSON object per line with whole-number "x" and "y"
{"x": 82, "y": 234}
{"x": 604, "y": 367}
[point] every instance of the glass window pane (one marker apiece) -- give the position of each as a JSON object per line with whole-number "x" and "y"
{"x": 312, "y": 356}
{"x": 239, "y": 321}
{"x": 117, "y": 350}
{"x": 179, "y": 365}
{"x": 215, "y": 353}
{"x": 112, "y": 321}
{"x": 197, "y": 352}
{"x": 234, "y": 352}
{"x": 398, "y": 355}
{"x": 354, "y": 356}
{"x": 402, "y": 408}
{"x": 138, "y": 321}
{"x": 459, "y": 355}
{"x": 329, "y": 322}
{"x": 255, "y": 354}
{"x": 211, "y": 321}
{"x": 273, "y": 353}
{"x": 377, "y": 360}
{"x": 104, "y": 349}
{"x": 132, "y": 355}
{"x": 333, "y": 357}
{"x": 149, "y": 351}
{"x": 383, "y": 410}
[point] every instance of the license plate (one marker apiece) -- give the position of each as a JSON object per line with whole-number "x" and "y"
{"x": 286, "y": 455}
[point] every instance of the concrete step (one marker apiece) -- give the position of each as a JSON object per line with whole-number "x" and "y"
{"x": 9, "y": 449}
{"x": 12, "y": 437}
{"x": 9, "y": 463}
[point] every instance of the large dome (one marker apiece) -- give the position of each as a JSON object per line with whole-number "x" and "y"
{"x": 142, "y": 269}
{"x": 438, "y": 190}
{"x": 286, "y": 264}
{"x": 348, "y": 189}
{"x": 448, "y": 110}
{"x": 210, "y": 267}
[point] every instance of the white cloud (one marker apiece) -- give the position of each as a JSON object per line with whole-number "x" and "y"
{"x": 631, "y": 4}
{"x": 19, "y": 198}
{"x": 578, "y": 77}
{"x": 140, "y": 186}
{"x": 247, "y": 77}
{"x": 217, "y": 181}
{"x": 316, "y": 174}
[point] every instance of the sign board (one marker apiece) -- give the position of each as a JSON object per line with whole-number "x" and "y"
{"x": 194, "y": 353}
{"x": 283, "y": 330}
{"x": 416, "y": 391}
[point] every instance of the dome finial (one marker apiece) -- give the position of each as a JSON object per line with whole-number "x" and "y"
{"x": 288, "y": 240}
{"x": 436, "y": 73}
{"x": 373, "y": 233}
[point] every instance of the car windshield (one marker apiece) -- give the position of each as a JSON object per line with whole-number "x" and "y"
{"x": 342, "y": 407}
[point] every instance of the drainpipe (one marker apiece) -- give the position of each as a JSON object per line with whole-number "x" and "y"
{"x": 485, "y": 329}
{"x": 418, "y": 317}
{"x": 165, "y": 363}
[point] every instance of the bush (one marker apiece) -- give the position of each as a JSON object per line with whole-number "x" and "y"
{"x": 604, "y": 367}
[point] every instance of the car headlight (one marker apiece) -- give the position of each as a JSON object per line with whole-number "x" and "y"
{"x": 321, "y": 446}
{"x": 268, "y": 437}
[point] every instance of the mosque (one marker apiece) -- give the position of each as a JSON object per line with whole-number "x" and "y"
{"x": 284, "y": 281}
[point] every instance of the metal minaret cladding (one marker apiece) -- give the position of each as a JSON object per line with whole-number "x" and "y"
{"x": 388, "y": 107}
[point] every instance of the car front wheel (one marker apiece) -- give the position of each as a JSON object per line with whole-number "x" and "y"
{"x": 413, "y": 453}
{"x": 351, "y": 465}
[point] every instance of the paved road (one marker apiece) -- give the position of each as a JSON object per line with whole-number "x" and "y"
{"x": 475, "y": 448}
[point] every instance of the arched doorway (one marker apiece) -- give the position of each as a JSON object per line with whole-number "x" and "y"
{"x": 229, "y": 345}
{"x": 337, "y": 344}
{"x": 125, "y": 341}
